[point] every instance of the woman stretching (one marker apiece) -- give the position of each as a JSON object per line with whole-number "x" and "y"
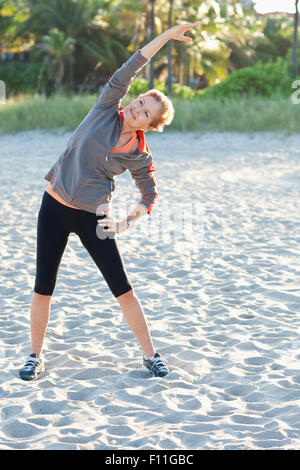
{"x": 109, "y": 141}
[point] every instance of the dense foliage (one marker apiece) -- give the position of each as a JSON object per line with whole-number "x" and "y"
{"x": 75, "y": 45}
{"x": 21, "y": 77}
{"x": 269, "y": 79}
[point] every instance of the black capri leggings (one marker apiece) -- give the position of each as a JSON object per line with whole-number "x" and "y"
{"x": 55, "y": 222}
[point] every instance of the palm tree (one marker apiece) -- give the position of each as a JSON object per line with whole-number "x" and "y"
{"x": 79, "y": 20}
{"x": 295, "y": 42}
{"x": 59, "y": 50}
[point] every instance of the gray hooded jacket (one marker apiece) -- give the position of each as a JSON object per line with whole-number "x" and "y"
{"x": 84, "y": 175}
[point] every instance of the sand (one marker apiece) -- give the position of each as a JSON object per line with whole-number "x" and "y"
{"x": 221, "y": 297}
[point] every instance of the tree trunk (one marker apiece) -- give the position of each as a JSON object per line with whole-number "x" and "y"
{"x": 71, "y": 76}
{"x": 295, "y": 43}
{"x": 151, "y": 79}
{"x": 170, "y": 44}
{"x": 59, "y": 77}
{"x": 187, "y": 69}
{"x": 182, "y": 62}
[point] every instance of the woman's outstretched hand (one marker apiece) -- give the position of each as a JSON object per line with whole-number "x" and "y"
{"x": 177, "y": 32}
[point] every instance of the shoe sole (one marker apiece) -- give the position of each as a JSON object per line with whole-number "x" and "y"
{"x": 34, "y": 378}
{"x": 152, "y": 374}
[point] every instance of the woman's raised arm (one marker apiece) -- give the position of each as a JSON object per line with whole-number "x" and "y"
{"x": 118, "y": 85}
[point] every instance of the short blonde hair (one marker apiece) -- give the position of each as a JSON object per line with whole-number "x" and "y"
{"x": 166, "y": 115}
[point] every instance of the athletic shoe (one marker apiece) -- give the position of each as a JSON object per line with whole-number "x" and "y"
{"x": 32, "y": 368}
{"x": 156, "y": 365}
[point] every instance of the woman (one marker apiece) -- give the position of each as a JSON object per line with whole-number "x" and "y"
{"x": 107, "y": 142}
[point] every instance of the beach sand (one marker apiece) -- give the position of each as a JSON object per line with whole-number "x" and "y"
{"x": 221, "y": 299}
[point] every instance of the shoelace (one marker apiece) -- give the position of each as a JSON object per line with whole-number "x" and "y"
{"x": 159, "y": 363}
{"x": 30, "y": 363}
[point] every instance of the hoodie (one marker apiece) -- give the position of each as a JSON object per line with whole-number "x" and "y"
{"x": 84, "y": 175}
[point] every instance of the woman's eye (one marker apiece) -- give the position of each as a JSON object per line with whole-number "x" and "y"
{"x": 147, "y": 114}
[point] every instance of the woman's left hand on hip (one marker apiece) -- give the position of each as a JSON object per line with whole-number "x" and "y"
{"x": 112, "y": 225}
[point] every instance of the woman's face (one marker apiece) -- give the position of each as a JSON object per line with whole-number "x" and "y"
{"x": 141, "y": 112}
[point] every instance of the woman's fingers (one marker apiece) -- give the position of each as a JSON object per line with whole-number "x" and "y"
{"x": 193, "y": 25}
{"x": 178, "y": 31}
{"x": 104, "y": 221}
{"x": 107, "y": 222}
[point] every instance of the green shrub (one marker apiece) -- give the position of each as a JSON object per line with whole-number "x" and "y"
{"x": 161, "y": 86}
{"x": 269, "y": 79}
{"x": 138, "y": 87}
{"x": 20, "y": 77}
{"x": 182, "y": 91}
